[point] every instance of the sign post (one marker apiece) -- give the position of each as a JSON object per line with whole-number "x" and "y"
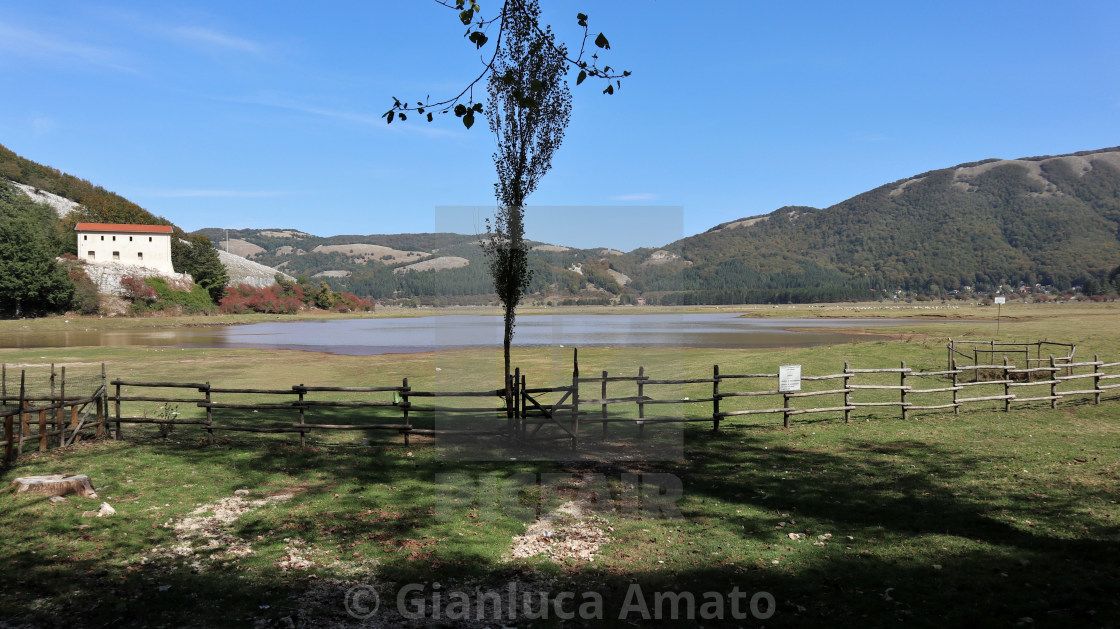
{"x": 999, "y": 307}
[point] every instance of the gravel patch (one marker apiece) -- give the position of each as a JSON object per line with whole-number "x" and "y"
{"x": 566, "y": 533}
{"x": 203, "y": 537}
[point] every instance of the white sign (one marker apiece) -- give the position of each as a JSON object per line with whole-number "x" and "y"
{"x": 789, "y": 378}
{"x": 1001, "y": 300}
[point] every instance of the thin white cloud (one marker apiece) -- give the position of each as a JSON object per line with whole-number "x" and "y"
{"x": 33, "y": 44}
{"x": 636, "y": 196}
{"x": 215, "y": 194}
{"x": 42, "y": 125}
{"x": 215, "y": 41}
{"x": 420, "y": 126}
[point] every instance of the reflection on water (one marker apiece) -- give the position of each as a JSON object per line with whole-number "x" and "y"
{"x": 422, "y": 334}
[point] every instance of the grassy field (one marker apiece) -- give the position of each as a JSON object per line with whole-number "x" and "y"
{"x": 980, "y": 519}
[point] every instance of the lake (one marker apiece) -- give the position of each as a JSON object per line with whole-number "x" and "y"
{"x": 431, "y": 333}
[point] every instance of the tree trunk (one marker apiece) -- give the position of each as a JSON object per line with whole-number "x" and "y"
{"x": 55, "y": 485}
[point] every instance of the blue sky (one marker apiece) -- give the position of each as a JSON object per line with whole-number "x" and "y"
{"x": 267, "y": 114}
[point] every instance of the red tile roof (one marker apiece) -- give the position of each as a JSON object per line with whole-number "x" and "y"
{"x": 131, "y": 229}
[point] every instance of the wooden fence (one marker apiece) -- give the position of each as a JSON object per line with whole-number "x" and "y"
{"x": 301, "y": 405}
{"x": 978, "y": 352}
{"x": 953, "y": 388}
{"x": 586, "y": 400}
{"x": 67, "y": 422}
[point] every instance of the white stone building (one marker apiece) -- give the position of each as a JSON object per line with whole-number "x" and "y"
{"x": 147, "y": 246}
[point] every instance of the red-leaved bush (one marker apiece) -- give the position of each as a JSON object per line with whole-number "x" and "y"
{"x": 136, "y": 289}
{"x": 282, "y": 299}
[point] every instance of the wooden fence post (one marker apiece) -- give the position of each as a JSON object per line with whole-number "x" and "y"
{"x": 100, "y": 405}
{"x": 956, "y": 386}
{"x": 1053, "y": 384}
{"x": 4, "y": 384}
{"x": 847, "y": 394}
{"x": 603, "y": 412}
{"x": 116, "y": 413}
{"x": 1097, "y": 379}
{"x": 404, "y": 405}
{"x": 1006, "y": 386}
{"x": 512, "y": 420}
{"x": 785, "y": 413}
{"x": 42, "y": 431}
{"x": 715, "y": 398}
{"x": 60, "y": 416}
{"x": 302, "y": 413}
{"x": 519, "y": 424}
{"x": 902, "y": 388}
{"x": 104, "y": 397}
{"x": 210, "y": 418}
{"x": 575, "y": 398}
{"x": 23, "y": 429}
{"x": 642, "y": 400}
{"x": 73, "y": 423}
{"x": 103, "y": 408}
{"x": 9, "y": 436}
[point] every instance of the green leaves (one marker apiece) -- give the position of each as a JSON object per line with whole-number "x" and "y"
{"x": 478, "y": 38}
{"x": 581, "y": 18}
{"x": 466, "y": 16}
{"x": 461, "y": 111}
{"x": 601, "y": 41}
{"x": 582, "y": 76}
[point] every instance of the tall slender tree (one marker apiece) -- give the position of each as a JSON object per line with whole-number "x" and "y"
{"x": 529, "y": 108}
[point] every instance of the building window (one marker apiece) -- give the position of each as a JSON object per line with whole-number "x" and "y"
{"x": 102, "y": 238}
{"x": 140, "y": 255}
{"x": 130, "y": 239}
{"x": 90, "y": 255}
{"x": 116, "y": 255}
{"x": 149, "y": 239}
{"x": 114, "y": 239}
{"x": 85, "y": 237}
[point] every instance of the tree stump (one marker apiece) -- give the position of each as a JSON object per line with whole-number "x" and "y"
{"x": 55, "y": 485}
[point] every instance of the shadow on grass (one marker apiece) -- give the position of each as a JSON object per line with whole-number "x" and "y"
{"x": 918, "y": 534}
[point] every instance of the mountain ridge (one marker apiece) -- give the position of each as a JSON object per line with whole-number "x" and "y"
{"x": 1049, "y": 219}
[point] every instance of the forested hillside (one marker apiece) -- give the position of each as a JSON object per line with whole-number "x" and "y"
{"x": 1048, "y": 220}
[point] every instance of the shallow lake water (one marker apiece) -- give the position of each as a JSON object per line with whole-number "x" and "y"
{"x": 422, "y": 334}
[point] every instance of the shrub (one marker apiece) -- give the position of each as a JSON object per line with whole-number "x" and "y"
{"x": 136, "y": 289}
{"x": 193, "y": 301}
{"x": 85, "y": 299}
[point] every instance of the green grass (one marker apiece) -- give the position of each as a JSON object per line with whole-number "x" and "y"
{"x": 980, "y": 519}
